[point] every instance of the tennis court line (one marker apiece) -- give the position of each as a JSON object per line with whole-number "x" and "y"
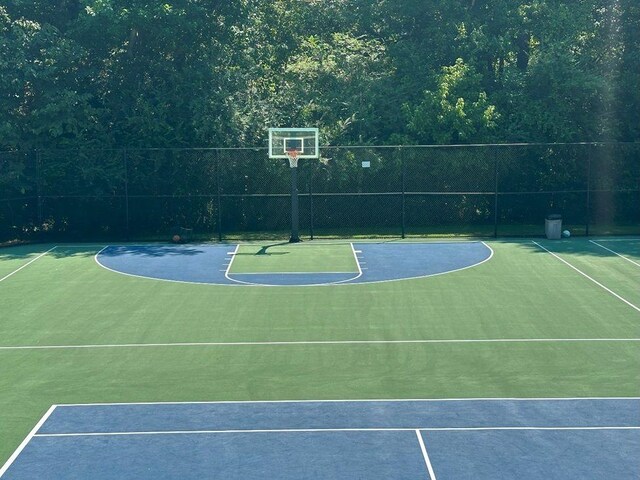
{"x": 313, "y": 342}
{"x": 329, "y": 430}
{"x": 425, "y": 455}
{"x": 28, "y": 263}
{"x": 631, "y": 239}
{"x": 28, "y": 438}
{"x": 616, "y": 253}
{"x": 636, "y": 308}
{"x": 352, "y": 400}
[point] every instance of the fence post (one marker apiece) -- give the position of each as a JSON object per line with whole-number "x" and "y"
{"x": 38, "y": 157}
{"x": 588, "y": 205}
{"x": 311, "y": 206}
{"x": 403, "y": 185}
{"x": 495, "y": 194}
{"x": 218, "y": 196}
{"x": 125, "y": 160}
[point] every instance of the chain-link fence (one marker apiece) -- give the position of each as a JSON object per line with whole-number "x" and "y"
{"x": 479, "y": 190}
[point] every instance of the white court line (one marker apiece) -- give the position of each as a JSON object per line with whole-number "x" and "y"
{"x": 24, "y": 443}
{"x": 28, "y": 263}
{"x": 615, "y": 253}
{"x": 95, "y": 258}
{"x": 355, "y": 257}
{"x": 425, "y": 455}
{"x": 226, "y": 273}
{"x": 238, "y": 281}
{"x": 330, "y": 430}
{"x": 358, "y": 400}
{"x": 636, "y": 308}
{"x": 79, "y": 245}
{"x": 618, "y": 239}
{"x": 233, "y": 257}
{"x": 359, "y": 274}
{"x": 292, "y": 273}
{"x": 314, "y": 342}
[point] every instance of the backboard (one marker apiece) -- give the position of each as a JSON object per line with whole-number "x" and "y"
{"x": 304, "y": 140}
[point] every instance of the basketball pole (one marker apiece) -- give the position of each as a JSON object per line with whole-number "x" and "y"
{"x": 293, "y": 143}
{"x": 295, "y": 238}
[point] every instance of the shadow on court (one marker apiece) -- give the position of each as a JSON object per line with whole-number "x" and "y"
{"x": 152, "y": 251}
{"x": 264, "y": 249}
{"x": 586, "y": 247}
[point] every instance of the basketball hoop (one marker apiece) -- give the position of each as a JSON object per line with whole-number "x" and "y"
{"x": 292, "y": 153}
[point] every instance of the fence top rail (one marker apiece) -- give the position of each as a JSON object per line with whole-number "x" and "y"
{"x": 485, "y": 145}
{"x": 333, "y": 147}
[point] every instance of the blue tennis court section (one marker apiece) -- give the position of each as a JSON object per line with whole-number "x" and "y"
{"x": 409, "y": 439}
{"x": 377, "y": 262}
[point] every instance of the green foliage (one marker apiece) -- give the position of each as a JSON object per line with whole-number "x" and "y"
{"x": 113, "y": 73}
{"x": 457, "y": 112}
{"x": 332, "y": 78}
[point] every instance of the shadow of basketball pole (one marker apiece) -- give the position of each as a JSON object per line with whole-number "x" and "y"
{"x": 264, "y": 248}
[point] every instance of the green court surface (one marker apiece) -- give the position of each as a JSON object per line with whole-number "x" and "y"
{"x": 296, "y": 257}
{"x": 538, "y": 320}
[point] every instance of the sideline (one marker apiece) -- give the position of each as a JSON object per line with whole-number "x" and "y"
{"x": 636, "y": 308}
{"x": 28, "y": 263}
{"x": 312, "y": 342}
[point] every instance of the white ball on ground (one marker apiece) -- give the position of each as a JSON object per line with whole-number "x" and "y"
{"x": 566, "y": 234}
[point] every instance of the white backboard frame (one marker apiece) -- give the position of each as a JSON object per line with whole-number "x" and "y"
{"x": 310, "y": 142}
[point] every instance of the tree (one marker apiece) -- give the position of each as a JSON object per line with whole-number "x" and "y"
{"x": 457, "y": 111}
{"x": 46, "y": 96}
{"x": 110, "y": 73}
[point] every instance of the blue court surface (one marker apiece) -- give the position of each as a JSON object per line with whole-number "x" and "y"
{"x": 408, "y": 439}
{"x": 377, "y": 262}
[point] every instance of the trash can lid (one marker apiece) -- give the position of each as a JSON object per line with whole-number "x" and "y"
{"x": 554, "y": 216}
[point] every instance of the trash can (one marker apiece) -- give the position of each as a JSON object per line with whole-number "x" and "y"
{"x": 553, "y": 227}
{"x": 185, "y": 234}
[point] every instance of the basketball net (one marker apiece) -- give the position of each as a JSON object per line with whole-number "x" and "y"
{"x": 292, "y": 153}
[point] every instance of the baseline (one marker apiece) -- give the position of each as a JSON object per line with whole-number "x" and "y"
{"x": 27, "y": 439}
